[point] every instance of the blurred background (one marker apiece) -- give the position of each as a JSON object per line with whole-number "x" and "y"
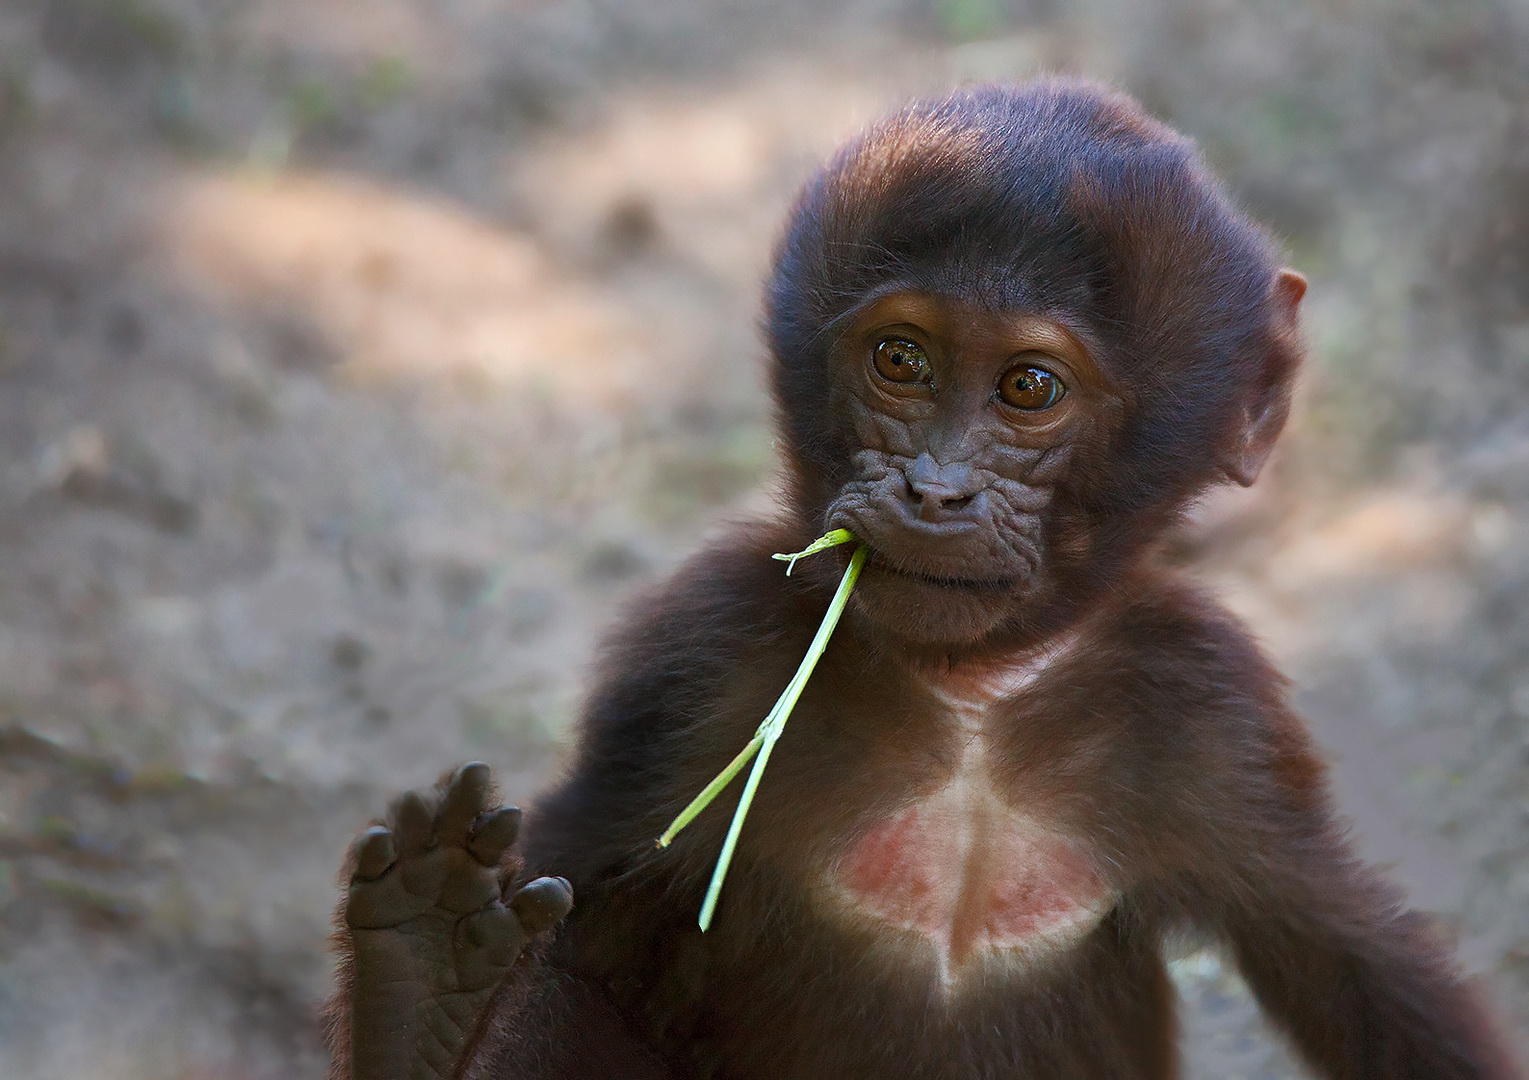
{"x": 357, "y": 358}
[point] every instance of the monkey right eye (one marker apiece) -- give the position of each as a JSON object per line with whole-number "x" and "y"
{"x": 901, "y": 361}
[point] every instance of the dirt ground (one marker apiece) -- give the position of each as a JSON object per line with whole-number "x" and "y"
{"x": 358, "y": 358}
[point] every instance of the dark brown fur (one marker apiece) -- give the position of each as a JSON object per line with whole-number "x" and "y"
{"x": 1161, "y": 740}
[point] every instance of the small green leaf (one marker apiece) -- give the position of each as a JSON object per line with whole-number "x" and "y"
{"x": 822, "y": 543}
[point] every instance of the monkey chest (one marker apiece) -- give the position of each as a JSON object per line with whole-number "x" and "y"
{"x": 964, "y": 873}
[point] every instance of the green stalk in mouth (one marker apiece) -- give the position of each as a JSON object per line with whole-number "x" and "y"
{"x": 770, "y": 730}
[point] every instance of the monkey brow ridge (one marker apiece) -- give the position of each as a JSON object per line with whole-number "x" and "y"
{"x": 770, "y": 729}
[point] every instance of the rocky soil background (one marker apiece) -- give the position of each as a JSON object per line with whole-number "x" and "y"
{"x": 358, "y": 358}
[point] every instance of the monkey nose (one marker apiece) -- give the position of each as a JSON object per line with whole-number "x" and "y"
{"x": 938, "y": 492}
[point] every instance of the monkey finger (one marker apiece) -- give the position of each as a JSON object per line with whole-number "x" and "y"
{"x": 412, "y": 821}
{"x": 373, "y": 853}
{"x": 487, "y": 942}
{"x": 542, "y": 902}
{"x": 492, "y": 928}
{"x": 495, "y": 832}
{"x": 466, "y": 793}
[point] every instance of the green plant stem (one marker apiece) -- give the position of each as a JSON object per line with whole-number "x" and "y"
{"x": 711, "y": 790}
{"x": 722, "y": 779}
{"x": 763, "y": 742}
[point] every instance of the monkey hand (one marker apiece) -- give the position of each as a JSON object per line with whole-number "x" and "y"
{"x": 433, "y": 925}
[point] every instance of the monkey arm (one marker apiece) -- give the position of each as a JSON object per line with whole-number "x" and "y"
{"x": 1361, "y": 985}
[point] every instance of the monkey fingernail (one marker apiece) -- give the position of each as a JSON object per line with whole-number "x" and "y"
{"x": 413, "y": 820}
{"x": 494, "y": 833}
{"x": 375, "y": 853}
{"x": 466, "y": 793}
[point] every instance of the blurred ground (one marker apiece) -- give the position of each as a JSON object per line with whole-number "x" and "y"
{"x": 357, "y": 358}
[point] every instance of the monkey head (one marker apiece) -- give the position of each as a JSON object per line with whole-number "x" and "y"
{"x": 1015, "y": 331}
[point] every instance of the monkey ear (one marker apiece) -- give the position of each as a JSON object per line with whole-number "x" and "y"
{"x": 1265, "y": 410}
{"x": 1289, "y": 287}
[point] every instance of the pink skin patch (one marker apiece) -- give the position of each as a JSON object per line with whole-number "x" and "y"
{"x": 972, "y": 882}
{"x": 965, "y": 869}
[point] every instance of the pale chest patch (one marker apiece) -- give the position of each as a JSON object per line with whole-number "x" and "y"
{"x": 966, "y": 873}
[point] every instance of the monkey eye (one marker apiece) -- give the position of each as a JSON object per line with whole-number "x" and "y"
{"x": 1031, "y": 388}
{"x": 901, "y": 361}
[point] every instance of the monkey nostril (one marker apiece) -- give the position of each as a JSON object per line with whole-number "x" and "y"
{"x": 931, "y": 502}
{"x": 934, "y": 491}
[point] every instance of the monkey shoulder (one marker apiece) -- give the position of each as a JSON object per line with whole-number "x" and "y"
{"x": 682, "y": 679}
{"x": 1199, "y": 687}
{"x": 726, "y": 610}
{"x": 1175, "y": 640}
{"x": 1205, "y": 695}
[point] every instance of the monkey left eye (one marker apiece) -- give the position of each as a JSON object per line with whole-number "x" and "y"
{"x": 901, "y": 361}
{"x": 1030, "y": 388}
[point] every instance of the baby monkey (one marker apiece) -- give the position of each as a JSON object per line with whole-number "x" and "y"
{"x": 1014, "y": 332}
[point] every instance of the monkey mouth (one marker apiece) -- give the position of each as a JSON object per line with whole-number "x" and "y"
{"x": 878, "y": 561}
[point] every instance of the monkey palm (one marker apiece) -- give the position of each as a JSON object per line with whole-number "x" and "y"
{"x": 1014, "y": 332}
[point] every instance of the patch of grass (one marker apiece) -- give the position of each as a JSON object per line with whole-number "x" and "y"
{"x": 310, "y": 104}
{"x": 384, "y": 82}
{"x": 16, "y": 99}
{"x": 969, "y": 20}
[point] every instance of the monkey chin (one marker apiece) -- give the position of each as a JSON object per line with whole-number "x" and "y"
{"x": 924, "y": 612}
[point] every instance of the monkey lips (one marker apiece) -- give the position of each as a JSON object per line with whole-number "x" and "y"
{"x": 952, "y": 600}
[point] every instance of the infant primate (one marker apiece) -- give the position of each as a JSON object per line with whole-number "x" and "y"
{"x": 1015, "y": 332}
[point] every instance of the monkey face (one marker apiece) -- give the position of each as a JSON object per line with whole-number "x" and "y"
{"x": 965, "y": 419}
{"x": 1014, "y": 335}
